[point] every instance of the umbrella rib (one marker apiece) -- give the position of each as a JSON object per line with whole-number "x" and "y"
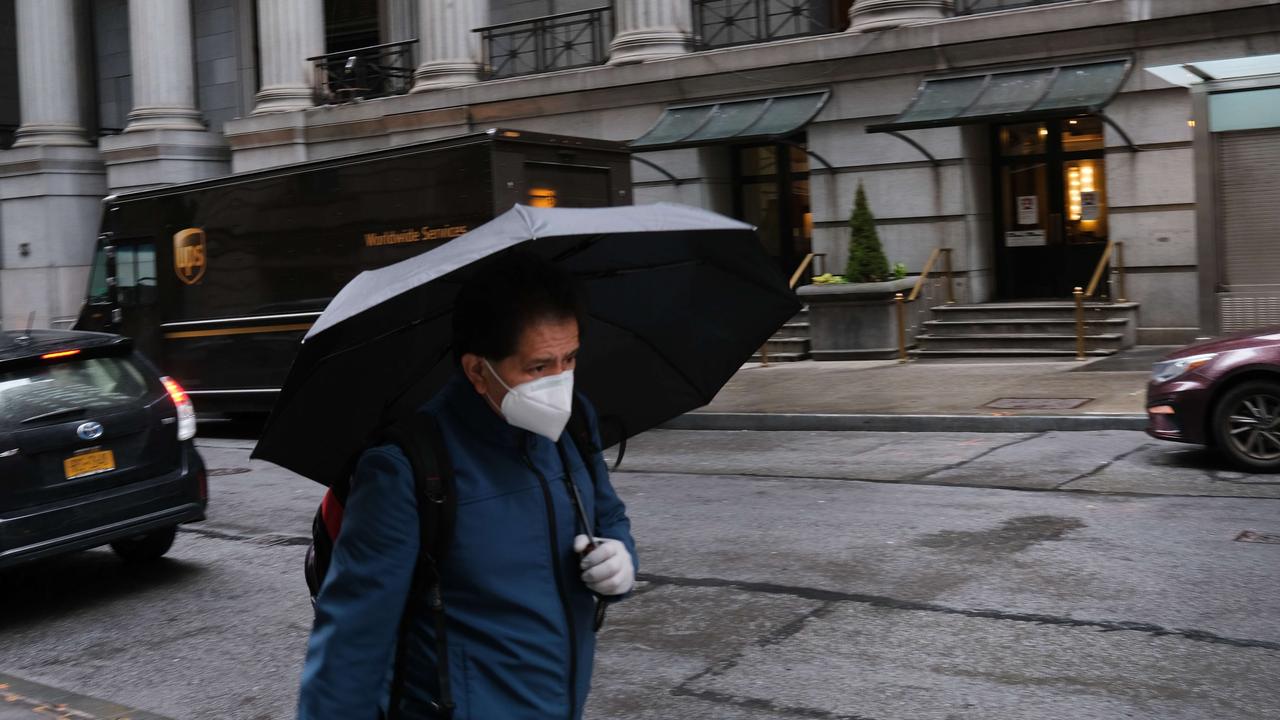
{"x": 683, "y": 375}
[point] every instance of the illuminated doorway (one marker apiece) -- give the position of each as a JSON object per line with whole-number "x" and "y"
{"x": 1051, "y": 206}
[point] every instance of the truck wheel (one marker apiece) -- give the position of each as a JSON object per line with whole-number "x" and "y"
{"x": 1246, "y": 426}
{"x": 147, "y": 547}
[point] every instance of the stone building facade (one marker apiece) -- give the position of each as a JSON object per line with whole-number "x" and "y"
{"x": 1024, "y": 135}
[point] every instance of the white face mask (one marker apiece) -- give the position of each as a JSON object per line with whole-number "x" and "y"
{"x": 540, "y": 406}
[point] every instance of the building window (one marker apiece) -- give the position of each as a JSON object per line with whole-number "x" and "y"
{"x": 350, "y": 24}
{"x": 771, "y": 191}
{"x": 724, "y": 23}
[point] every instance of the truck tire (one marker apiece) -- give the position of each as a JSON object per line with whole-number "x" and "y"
{"x": 147, "y": 547}
{"x": 1246, "y": 426}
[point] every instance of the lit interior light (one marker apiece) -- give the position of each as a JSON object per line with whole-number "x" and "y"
{"x": 542, "y": 197}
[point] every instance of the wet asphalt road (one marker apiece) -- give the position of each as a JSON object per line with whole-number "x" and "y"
{"x": 869, "y": 576}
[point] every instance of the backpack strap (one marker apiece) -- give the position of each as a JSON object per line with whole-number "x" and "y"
{"x": 420, "y": 439}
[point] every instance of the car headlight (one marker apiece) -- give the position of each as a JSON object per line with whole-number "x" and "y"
{"x": 1169, "y": 369}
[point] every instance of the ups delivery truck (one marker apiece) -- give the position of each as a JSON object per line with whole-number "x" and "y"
{"x": 217, "y": 281}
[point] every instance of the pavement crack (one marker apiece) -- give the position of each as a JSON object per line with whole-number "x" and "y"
{"x": 953, "y": 466}
{"x": 832, "y": 596}
{"x": 1104, "y": 465}
{"x": 767, "y": 706}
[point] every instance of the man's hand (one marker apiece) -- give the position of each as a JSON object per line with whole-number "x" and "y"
{"x": 607, "y": 569}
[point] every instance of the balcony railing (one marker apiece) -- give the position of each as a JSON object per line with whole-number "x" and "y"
{"x": 554, "y": 42}
{"x": 973, "y": 7}
{"x": 724, "y": 23}
{"x": 363, "y": 73}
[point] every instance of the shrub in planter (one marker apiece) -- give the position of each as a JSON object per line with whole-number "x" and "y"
{"x": 867, "y": 262}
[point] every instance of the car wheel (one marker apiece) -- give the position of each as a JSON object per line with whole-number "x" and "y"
{"x": 146, "y": 547}
{"x": 1246, "y": 425}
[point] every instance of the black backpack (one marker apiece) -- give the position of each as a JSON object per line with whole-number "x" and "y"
{"x": 419, "y": 438}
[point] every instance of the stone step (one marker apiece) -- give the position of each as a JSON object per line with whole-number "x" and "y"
{"x": 781, "y": 357}
{"x": 1020, "y": 326}
{"x": 788, "y": 345}
{"x": 1025, "y": 341}
{"x": 992, "y": 353}
{"x": 1031, "y": 311}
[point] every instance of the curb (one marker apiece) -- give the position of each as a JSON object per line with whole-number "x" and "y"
{"x": 36, "y": 700}
{"x": 905, "y": 423}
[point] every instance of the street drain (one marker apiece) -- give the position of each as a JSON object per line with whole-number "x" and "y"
{"x": 1037, "y": 403}
{"x": 216, "y": 472}
{"x": 1257, "y": 537}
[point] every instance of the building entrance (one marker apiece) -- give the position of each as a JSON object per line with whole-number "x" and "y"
{"x": 771, "y": 191}
{"x": 1050, "y": 206}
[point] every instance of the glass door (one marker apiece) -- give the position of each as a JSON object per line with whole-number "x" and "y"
{"x": 771, "y": 191}
{"x": 1050, "y": 215}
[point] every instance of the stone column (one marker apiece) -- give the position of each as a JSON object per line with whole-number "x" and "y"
{"x": 880, "y": 14}
{"x": 289, "y": 32}
{"x": 50, "y": 57}
{"x": 51, "y": 180}
{"x": 650, "y": 29}
{"x": 449, "y": 53}
{"x": 163, "y": 65}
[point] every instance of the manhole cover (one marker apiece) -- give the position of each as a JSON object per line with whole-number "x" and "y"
{"x": 1037, "y": 403}
{"x": 1257, "y": 537}
{"x": 215, "y": 472}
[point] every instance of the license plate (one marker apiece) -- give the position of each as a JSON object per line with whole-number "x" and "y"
{"x": 89, "y": 463}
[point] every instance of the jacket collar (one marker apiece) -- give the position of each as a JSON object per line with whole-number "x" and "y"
{"x": 459, "y": 397}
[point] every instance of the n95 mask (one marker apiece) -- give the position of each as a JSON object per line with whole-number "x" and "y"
{"x": 540, "y": 406}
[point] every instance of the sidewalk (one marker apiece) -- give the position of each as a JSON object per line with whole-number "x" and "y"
{"x": 934, "y": 395}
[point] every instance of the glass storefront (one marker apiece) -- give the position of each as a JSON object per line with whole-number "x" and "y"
{"x": 1051, "y": 214}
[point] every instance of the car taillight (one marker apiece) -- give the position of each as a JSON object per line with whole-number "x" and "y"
{"x": 186, "y": 411}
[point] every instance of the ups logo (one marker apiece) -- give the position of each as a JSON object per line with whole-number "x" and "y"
{"x": 189, "y": 255}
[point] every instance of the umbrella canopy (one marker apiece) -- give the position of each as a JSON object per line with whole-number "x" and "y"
{"x": 677, "y": 299}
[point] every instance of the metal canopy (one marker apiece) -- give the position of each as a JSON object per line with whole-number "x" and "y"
{"x": 1012, "y": 95}
{"x": 1201, "y": 71}
{"x": 732, "y": 121}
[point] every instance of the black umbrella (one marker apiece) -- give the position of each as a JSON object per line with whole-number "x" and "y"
{"x": 677, "y": 298}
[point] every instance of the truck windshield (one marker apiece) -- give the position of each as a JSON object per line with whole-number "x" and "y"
{"x": 98, "y": 277}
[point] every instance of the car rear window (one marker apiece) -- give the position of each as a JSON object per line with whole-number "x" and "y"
{"x": 62, "y": 387}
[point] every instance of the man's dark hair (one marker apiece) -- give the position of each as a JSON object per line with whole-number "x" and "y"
{"x": 507, "y": 294}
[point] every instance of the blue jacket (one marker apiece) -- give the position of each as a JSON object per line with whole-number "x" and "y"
{"x": 519, "y": 618}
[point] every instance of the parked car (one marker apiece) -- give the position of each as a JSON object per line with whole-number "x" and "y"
{"x": 95, "y": 448}
{"x": 1225, "y": 394}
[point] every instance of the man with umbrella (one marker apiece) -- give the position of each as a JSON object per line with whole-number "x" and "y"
{"x": 522, "y": 575}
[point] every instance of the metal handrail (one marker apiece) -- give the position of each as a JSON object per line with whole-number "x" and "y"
{"x": 795, "y": 279}
{"x": 363, "y": 73}
{"x": 900, "y": 301}
{"x": 1113, "y": 249}
{"x": 562, "y": 41}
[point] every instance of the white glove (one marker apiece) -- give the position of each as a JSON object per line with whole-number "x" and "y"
{"x": 607, "y": 570}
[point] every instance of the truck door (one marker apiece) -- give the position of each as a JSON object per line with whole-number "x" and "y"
{"x": 136, "y": 294}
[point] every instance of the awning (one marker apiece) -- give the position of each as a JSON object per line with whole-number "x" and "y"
{"x": 1012, "y": 95}
{"x": 1194, "y": 73}
{"x": 732, "y": 121}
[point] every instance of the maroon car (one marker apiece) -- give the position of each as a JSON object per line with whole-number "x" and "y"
{"x": 1225, "y": 394}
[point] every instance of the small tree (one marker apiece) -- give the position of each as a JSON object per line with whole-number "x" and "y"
{"x": 867, "y": 262}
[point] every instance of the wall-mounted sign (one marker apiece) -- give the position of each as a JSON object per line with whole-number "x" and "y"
{"x": 1024, "y": 238}
{"x": 1089, "y": 209}
{"x": 1028, "y": 210}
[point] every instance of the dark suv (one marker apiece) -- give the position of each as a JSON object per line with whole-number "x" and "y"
{"x": 95, "y": 448}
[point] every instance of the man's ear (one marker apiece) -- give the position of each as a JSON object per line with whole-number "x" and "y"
{"x": 473, "y": 368}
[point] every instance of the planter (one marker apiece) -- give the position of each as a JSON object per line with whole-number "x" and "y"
{"x": 857, "y": 321}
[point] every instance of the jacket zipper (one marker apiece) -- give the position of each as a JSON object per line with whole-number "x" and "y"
{"x": 564, "y": 595}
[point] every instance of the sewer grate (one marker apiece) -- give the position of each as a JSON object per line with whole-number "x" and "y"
{"x": 1037, "y": 403}
{"x": 215, "y": 472}
{"x": 1257, "y": 537}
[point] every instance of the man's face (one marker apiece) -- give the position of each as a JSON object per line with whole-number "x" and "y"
{"x": 548, "y": 347}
